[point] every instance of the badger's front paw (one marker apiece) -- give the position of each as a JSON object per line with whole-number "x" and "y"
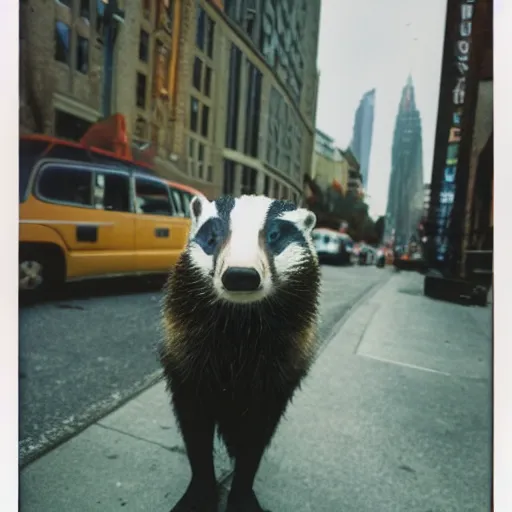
{"x": 244, "y": 503}
{"x": 199, "y": 497}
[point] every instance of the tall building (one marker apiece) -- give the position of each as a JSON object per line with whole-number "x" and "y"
{"x": 361, "y": 144}
{"x": 405, "y": 193}
{"x": 224, "y": 93}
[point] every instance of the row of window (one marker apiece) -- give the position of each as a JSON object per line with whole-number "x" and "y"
{"x": 254, "y": 77}
{"x": 199, "y": 163}
{"x": 248, "y": 183}
{"x": 63, "y": 48}
{"x": 110, "y": 190}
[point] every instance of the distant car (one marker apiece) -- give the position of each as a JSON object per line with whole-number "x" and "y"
{"x": 367, "y": 255}
{"x": 332, "y": 246}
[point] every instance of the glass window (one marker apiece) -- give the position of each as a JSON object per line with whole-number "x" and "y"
{"x": 209, "y": 174}
{"x": 276, "y": 190}
{"x": 194, "y": 113}
{"x": 207, "y": 81}
{"x": 210, "y": 36}
{"x": 191, "y": 148}
{"x": 66, "y": 185}
{"x": 85, "y": 9}
{"x": 178, "y": 202}
{"x": 186, "y": 203}
{"x": 141, "y": 91}
{"x": 233, "y": 97}
{"x": 62, "y": 42}
{"x": 200, "y": 161}
{"x": 204, "y": 121}
{"x": 266, "y": 186}
{"x": 82, "y": 55}
{"x": 200, "y": 28}
{"x": 152, "y": 197}
{"x": 229, "y": 177}
{"x": 197, "y": 72}
{"x": 249, "y": 177}
{"x": 144, "y": 46}
{"x": 29, "y": 152}
{"x": 112, "y": 192}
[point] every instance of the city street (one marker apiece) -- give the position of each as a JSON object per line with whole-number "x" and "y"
{"x": 89, "y": 351}
{"x": 395, "y": 416}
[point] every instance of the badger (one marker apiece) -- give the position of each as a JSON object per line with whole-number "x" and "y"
{"x": 240, "y": 317}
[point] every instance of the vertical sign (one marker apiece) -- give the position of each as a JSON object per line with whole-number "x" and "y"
{"x": 447, "y": 189}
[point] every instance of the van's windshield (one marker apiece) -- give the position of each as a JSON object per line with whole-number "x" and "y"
{"x": 29, "y": 152}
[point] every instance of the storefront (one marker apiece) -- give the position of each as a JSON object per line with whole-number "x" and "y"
{"x": 462, "y": 174}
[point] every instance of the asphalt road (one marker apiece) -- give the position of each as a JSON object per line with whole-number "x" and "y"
{"x": 85, "y": 353}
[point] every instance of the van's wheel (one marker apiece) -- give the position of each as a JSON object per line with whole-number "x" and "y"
{"x": 40, "y": 271}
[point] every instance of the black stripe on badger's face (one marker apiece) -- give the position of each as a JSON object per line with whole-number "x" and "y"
{"x": 250, "y": 243}
{"x": 209, "y": 231}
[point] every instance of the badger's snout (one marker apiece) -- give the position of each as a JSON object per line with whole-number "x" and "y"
{"x": 241, "y": 279}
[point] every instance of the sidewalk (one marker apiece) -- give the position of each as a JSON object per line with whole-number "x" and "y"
{"x": 395, "y": 417}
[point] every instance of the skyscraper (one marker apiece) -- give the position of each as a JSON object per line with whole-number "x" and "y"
{"x": 361, "y": 144}
{"x": 405, "y": 193}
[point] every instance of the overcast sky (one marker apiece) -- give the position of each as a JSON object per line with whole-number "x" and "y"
{"x": 376, "y": 43}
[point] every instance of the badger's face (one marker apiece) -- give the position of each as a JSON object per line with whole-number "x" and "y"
{"x": 247, "y": 247}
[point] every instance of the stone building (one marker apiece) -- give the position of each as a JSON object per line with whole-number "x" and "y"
{"x": 61, "y": 63}
{"x": 224, "y": 93}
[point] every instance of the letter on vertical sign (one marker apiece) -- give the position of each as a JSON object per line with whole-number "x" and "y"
{"x": 454, "y": 134}
{"x": 449, "y": 174}
{"x": 452, "y": 154}
{"x": 466, "y": 11}
{"x": 465, "y": 28}
{"x": 456, "y": 118}
{"x": 462, "y": 66}
{"x": 463, "y": 47}
{"x": 459, "y": 92}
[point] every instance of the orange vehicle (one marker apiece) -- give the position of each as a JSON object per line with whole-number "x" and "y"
{"x": 87, "y": 213}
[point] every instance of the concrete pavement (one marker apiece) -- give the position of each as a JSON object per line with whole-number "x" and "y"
{"x": 94, "y": 348}
{"x": 395, "y": 416}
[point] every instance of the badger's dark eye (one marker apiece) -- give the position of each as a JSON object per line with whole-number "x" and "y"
{"x": 273, "y": 234}
{"x": 210, "y": 235}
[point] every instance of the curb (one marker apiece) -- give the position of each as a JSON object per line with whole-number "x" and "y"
{"x": 53, "y": 439}
{"x": 365, "y": 296}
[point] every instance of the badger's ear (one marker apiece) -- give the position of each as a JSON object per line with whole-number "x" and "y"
{"x": 200, "y": 208}
{"x": 306, "y": 220}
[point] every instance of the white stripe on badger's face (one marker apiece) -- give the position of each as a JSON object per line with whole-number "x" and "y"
{"x": 247, "y": 220}
{"x": 294, "y": 253}
{"x": 201, "y": 260}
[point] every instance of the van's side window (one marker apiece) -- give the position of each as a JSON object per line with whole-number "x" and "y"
{"x": 111, "y": 191}
{"x": 66, "y": 185}
{"x": 178, "y": 202}
{"x": 152, "y": 197}
{"x": 186, "y": 203}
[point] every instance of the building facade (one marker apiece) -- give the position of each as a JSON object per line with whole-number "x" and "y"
{"x": 223, "y": 92}
{"x": 361, "y": 144}
{"x": 61, "y": 67}
{"x": 460, "y": 221}
{"x": 354, "y": 179}
{"x": 405, "y": 192}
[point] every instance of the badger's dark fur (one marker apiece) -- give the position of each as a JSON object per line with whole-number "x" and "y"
{"x": 234, "y": 367}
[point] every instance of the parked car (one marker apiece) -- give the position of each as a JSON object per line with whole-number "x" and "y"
{"x": 332, "y": 246}
{"x": 86, "y": 214}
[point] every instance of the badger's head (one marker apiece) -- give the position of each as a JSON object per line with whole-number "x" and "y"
{"x": 248, "y": 248}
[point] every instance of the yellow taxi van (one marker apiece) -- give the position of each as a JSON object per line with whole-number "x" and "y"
{"x": 85, "y": 213}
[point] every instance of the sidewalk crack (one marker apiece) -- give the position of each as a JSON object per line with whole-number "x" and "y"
{"x": 172, "y": 449}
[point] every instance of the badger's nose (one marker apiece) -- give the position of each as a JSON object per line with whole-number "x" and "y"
{"x": 241, "y": 279}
